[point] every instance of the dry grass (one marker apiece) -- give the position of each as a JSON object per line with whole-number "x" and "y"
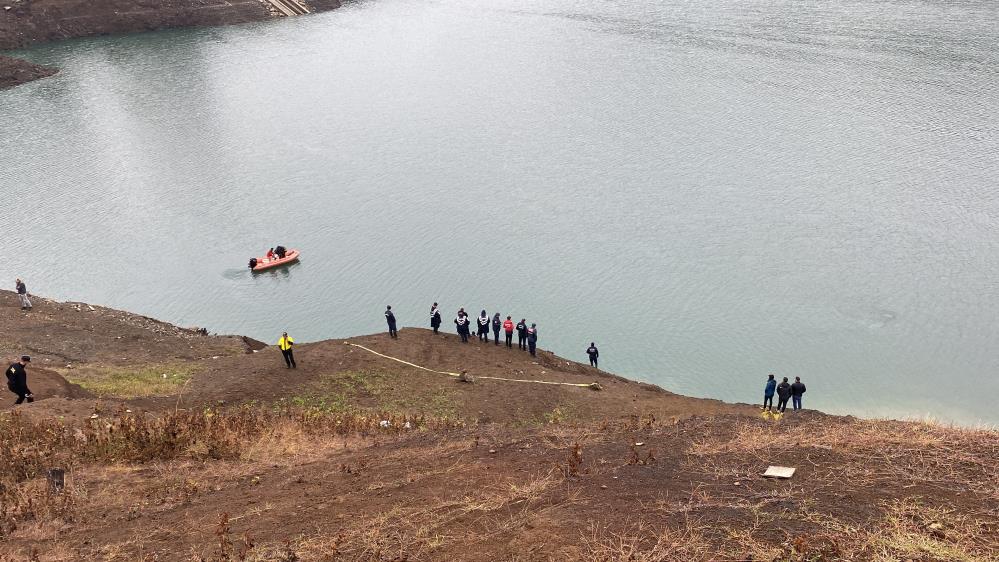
{"x": 527, "y": 493}
{"x": 131, "y": 382}
{"x": 28, "y": 448}
{"x": 945, "y": 458}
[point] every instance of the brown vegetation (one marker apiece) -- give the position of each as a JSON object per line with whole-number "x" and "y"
{"x": 354, "y": 457}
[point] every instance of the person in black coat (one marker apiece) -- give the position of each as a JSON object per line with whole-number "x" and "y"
{"x": 593, "y": 353}
{"x": 497, "y": 324}
{"x": 462, "y": 322}
{"x": 522, "y": 333}
{"x": 435, "y": 318}
{"x": 783, "y": 394}
{"x": 390, "y": 318}
{"x": 797, "y": 389}
{"x": 17, "y": 380}
{"x": 532, "y": 339}
{"x": 484, "y": 327}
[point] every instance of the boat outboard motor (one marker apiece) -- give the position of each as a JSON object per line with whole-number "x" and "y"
{"x": 253, "y": 263}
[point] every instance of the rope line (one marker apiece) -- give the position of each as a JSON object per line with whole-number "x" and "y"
{"x": 594, "y": 386}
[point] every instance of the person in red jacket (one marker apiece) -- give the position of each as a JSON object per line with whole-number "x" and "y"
{"x": 508, "y": 329}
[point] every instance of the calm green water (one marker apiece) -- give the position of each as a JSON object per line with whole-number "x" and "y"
{"x": 711, "y": 191}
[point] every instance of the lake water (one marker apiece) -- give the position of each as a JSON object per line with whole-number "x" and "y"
{"x": 709, "y": 190}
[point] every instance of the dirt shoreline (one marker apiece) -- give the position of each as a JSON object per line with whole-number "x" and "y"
{"x": 180, "y": 445}
{"x": 28, "y": 22}
{"x": 16, "y": 71}
{"x": 85, "y": 345}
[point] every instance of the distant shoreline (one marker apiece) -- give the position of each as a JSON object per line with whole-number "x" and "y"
{"x": 30, "y": 22}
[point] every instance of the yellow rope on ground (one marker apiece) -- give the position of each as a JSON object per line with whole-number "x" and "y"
{"x": 594, "y": 386}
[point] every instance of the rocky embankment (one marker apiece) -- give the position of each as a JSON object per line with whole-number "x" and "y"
{"x": 27, "y": 22}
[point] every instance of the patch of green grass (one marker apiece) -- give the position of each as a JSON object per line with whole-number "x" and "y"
{"x": 373, "y": 391}
{"x": 132, "y": 382}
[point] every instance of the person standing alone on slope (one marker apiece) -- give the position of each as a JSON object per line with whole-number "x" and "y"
{"x": 768, "y": 393}
{"x": 593, "y": 353}
{"x": 284, "y": 344}
{"x": 435, "y": 318}
{"x": 22, "y": 293}
{"x": 508, "y": 328}
{"x": 17, "y": 380}
{"x": 390, "y": 318}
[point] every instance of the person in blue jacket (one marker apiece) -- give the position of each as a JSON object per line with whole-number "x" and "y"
{"x": 768, "y": 393}
{"x": 497, "y": 324}
{"x": 594, "y": 354}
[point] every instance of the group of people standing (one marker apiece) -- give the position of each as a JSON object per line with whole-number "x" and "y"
{"x": 784, "y": 391}
{"x": 527, "y": 336}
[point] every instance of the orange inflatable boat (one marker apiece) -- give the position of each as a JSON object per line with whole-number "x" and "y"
{"x": 262, "y": 264}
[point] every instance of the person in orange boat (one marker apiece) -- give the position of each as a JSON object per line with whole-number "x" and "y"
{"x": 270, "y": 254}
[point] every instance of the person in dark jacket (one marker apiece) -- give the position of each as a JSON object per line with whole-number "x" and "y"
{"x": 435, "y": 318}
{"x": 497, "y": 324}
{"x": 463, "y": 324}
{"x": 522, "y": 333}
{"x": 22, "y": 293}
{"x": 783, "y": 394}
{"x": 484, "y": 327}
{"x": 390, "y": 318}
{"x": 768, "y": 393}
{"x": 508, "y": 328}
{"x": 797, "y": 389}
{"x": 593, "y": 353}
{"x": 17, "y": 380}
{"x": 280, "y": 251}
{"x": 532, "y": 339}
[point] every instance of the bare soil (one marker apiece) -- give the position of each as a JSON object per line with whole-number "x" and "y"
{"x": 77, "y": 340}
{"x": 249, "y": 460}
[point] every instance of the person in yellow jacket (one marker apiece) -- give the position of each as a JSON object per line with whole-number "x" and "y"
{"x": 284, "y": 344}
